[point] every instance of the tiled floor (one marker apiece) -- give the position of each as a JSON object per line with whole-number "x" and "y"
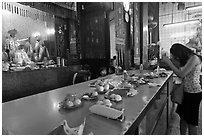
{"x": 174, "y": 127}
{"x": 174, "y": 124}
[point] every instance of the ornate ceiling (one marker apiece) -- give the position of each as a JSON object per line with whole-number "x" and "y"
{"x": 67, "y": 5}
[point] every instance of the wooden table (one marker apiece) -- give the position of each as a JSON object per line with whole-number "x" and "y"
{"x": 39, "y": 114}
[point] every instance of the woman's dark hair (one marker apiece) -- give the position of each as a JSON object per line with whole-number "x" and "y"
{"x": 181, "y": 53}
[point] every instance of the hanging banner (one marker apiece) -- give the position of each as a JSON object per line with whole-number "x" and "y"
{"x": 120, "y": 41}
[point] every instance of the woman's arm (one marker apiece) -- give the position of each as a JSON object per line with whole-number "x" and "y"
{"x": 191, "y": 63}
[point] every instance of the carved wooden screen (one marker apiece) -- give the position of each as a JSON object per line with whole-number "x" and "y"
{"x": 93, "y": 37}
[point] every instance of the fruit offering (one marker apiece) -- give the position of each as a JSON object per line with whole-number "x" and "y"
{"x": 132, "y": 92}
{"x": 70, "y": 101}
{"x": 125, "y": 84}
{"x": 102, "y": 88}
{"x": 105, "y": 102}
{"x": 115, "y": 97}
{"x": 142, "y": 80}
{"x": 91, "y": 95}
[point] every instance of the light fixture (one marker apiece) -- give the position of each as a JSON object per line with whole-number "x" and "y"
{"x": 194, "y": 7}
{"x": 181, "y": 23}
{"x": 126, "y": 6}
{"x": 50, "y": 31}
{"x": 182, "y": 34}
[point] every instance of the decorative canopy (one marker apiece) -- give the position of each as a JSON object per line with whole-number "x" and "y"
{"x": 67, "y": 5}
{"x": 13, "y": 31}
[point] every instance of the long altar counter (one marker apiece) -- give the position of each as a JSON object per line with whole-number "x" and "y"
{"x": 39, "y": 114}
